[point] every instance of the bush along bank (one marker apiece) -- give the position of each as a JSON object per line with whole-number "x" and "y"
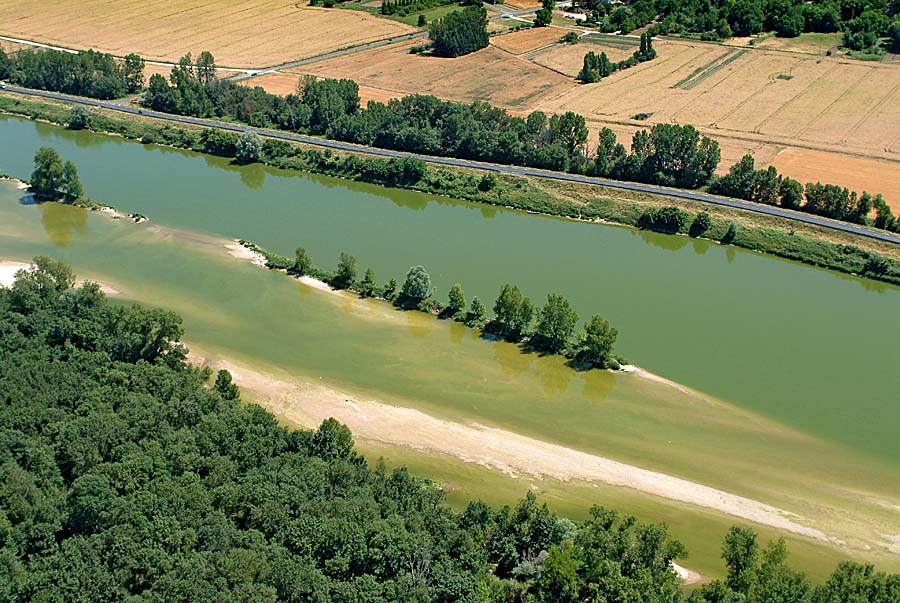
{"x": 500, "y": 190}
{"x": 549, "y": 329}
{"x": 843, "y": 258}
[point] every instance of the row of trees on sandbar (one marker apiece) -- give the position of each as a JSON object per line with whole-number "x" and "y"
{"x": 53, "y": 179}
{"x": 551, "y": 328}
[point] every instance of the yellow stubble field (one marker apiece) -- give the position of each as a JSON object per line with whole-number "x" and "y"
{"x": 756, "y": 101}
{"x": 490, "y": 74}
{"x": 239, "y": 33}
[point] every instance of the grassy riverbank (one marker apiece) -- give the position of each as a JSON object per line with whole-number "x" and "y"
{"x": 765, "y": 234}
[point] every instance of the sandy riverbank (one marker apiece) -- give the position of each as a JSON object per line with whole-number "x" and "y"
{"x": 9, "y": 269}
{"x": 307, "y": 404}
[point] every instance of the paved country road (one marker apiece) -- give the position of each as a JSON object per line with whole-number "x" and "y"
{"x": 856, "y": 229}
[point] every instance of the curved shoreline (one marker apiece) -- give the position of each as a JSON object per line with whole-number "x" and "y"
{"x": 307, "y": 404}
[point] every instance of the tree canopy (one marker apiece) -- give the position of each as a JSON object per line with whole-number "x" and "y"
{"x": 88, "y": 73}
{"x": 460, "y": 32}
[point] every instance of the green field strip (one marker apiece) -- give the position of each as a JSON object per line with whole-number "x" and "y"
{"x": 701, "y": 73}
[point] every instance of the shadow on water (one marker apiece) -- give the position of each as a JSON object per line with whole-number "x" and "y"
{"x": 509, "y": 357}
{"x": 597, "y": 385}
{"x": 80, "y": 138}
{"x": 62, "y": 222}
{"x": 664, "y": 241}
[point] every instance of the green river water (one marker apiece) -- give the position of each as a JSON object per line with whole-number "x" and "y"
{"x": 801, "y": 365}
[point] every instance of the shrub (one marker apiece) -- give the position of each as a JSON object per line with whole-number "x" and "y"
{"x": 668, "y": 219}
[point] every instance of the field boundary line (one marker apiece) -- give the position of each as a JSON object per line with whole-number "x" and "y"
{"x": 851, "y": 88}
{"x": 832, "y": 67}
{"x": 869, "y": 114}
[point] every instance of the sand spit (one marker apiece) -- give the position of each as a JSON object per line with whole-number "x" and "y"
{"x": 239, "y": 251}
{"x": 307, "y": 404}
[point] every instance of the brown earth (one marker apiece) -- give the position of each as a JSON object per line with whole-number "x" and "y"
{"x": 852, "y": 172}
{"x": 520, "y": 42}
{"x": 752, "y": 101}
{"x": 490, "y": 74}
{"x": 256, "y": 33}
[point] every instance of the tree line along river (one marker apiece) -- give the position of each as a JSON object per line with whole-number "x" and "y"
{"x": 806, "y": 351}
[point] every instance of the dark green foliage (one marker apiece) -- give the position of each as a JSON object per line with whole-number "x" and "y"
{"x": 47, "y": 177}
{"x": 730, "y": 234}
{"x": 53, "y": 179}
{"x": 346, "y": 271}
{"x": 220, "y": 142}
{"x": 225, "y": 387}
{"x": 81, "y": 118}
{"x": 87, "y": 73}
{"x": 456, "y": 300}
{"x": 595, "y": 68}
{"x": 327, "y": 100}
{"x": 513, "y": 313}
{"x": 768, "y": 186}
{"x": 416, "y": 288}
{"x": 368, "y": 287}
{"x": 668, "y": 154}
{"x": 740, "y": 552}
{"x": 700, "y": 224}
{"x": 863, "y": 21}
{"x": 460, "y": 32}
{"x": 71, "y": 189}
{"x": 248, "y": 148}
{"x": 597, "y": 342}
{"x": 664, "y": 219}
{"x": 477, "y": 312}
{"x": 543, "y": 17}
{"x": 555, "y": 325}
{"x": 894, "y": 35}
{"x": 302, "y": 262}
{"x": 406, "y": 7}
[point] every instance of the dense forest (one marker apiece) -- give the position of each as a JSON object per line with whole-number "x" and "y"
{"x": 863, "y": 22}
{"x": 128, "y": 474}
{"x": 87, "y": 73}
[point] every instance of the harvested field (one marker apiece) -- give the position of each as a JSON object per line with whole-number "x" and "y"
{"x": 166, "y": 70}
{"x": 520, "y": 42}
{"x": 286, "y": 83}
{"x": 489, "y": 74}
{"x": 750, "y": 100}
{"x": 275, "y": 83}
{"x": 852, "y": 172}
{"x": 523, "y": 4}
{"x": 568, "y": 59}
{"x": 258, "y": 33}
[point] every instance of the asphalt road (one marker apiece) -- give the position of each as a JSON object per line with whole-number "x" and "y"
{"x": 856, "y": 229}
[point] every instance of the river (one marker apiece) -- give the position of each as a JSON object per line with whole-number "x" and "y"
{"x": 798, "y": 366}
